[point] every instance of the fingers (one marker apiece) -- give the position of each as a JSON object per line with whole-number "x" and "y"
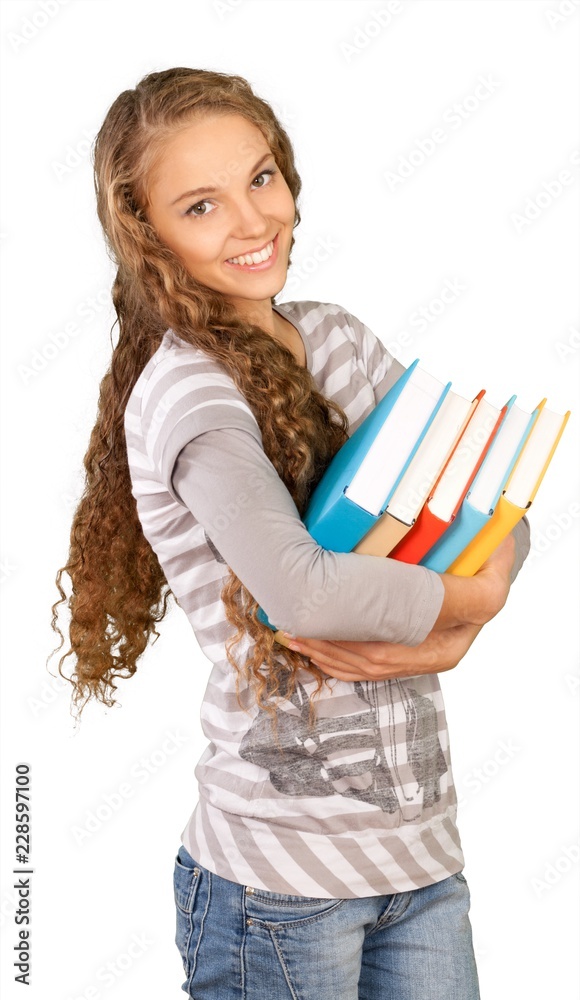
{"x": 355, "y": 661}
{"x": 351, "y": 650}
{"x": 325, "y": 652}
{"x": 346, "y": 665}
{"x": 347, "y": 661}
{"x": 326, "y": 662}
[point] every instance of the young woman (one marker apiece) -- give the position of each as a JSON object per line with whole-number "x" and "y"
{"x": 323, "y": 858}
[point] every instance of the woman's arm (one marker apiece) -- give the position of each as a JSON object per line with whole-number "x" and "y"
{"x": 230, "y": 486}
{"x": 374, "y": 661}
{"x": 445, "y": 645}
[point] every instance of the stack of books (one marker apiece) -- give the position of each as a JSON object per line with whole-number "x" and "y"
{"x": 432, "y": 478}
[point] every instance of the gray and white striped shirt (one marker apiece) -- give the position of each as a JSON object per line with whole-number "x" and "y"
{"x": 362, "y": 803}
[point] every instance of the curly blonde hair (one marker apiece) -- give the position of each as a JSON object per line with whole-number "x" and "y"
{"x": 119, "y": 590}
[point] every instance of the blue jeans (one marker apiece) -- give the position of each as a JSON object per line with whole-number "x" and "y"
{"x": 239, "y": 943}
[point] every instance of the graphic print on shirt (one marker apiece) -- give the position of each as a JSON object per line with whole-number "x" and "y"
{"x": 348, "y": 755}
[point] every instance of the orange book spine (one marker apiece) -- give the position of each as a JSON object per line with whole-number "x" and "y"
{"x": 422, "y": 536}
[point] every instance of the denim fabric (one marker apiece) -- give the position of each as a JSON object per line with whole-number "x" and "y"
{"x": 240, "y": 943}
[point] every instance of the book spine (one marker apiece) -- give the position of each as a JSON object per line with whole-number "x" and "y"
{"x": 423, "y": 535}
{"x": 458, "y": 535}
{"x": 503, "y": 520}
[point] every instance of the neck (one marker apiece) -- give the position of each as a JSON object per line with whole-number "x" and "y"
{"x": 262, "y": 314}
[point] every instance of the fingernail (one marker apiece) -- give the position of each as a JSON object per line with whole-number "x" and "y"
{"x": 295, "y": 646}
{"x": 287, "y": 635}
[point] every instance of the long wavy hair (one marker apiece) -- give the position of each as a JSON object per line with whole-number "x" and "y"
{"x": 119, "y": 590}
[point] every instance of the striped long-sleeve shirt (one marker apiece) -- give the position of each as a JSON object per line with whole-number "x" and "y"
{"x": 363, "y": 802}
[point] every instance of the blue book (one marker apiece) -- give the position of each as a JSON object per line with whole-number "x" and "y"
{"x": 481, "y": 500}
{"x": 362, "y": 476}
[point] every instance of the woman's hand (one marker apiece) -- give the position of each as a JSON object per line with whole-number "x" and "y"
{"x": 476, "y": 599}
{"x": 364, "y": 661}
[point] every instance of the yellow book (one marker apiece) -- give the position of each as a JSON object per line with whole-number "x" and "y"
{"x": 519, "y": 491}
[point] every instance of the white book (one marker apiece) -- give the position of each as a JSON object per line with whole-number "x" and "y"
{"x": 396, "y": 442}
{"x": 464, "y": 461}
{"x": 430, "y": 457}
{"x": 535, "y": 457}
{"x": 499, "y": 461}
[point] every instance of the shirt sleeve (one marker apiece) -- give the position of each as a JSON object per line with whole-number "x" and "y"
{"x": 521, "y": 533}
{"x": 226, "y": 480}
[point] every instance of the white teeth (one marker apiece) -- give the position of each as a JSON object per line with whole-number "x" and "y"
{"x": 254, "y": 258}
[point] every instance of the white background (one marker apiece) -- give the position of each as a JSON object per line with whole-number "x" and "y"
{"x": 357, "y": 97}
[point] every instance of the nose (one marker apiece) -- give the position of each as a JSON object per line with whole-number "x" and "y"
{"x": 248, "y": 222}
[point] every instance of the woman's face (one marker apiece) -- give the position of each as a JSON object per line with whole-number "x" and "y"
{"x": 217, "y": 194}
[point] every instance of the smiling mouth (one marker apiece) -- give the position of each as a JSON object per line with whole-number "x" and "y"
{"x": 257, "y": 257}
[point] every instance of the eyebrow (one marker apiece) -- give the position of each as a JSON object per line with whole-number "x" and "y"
{"x": 212, "y": 190}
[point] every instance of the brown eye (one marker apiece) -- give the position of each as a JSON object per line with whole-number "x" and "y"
{"x": 264, "y": 173}
{"x": 198, "y": 204}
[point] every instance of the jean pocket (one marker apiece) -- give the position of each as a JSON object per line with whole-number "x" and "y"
{"x": 186, "y": 879}
{"x": 460, "y": 877}
{"x": 277, "y": 907}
